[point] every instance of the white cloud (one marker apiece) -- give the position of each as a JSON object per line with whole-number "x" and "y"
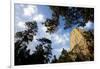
{"x": 43, "y": 28}
{"x": 32, "y": 10}
{"x": 39, "y": 18}
{"x": 21, "y": 25}
{"x": 56, "y": 38}
{"x": 29, "y": 10}
{"x": 81, "y": 27}
{"x": 48, "y": 36}
{"x": 89, "y": 25}
{"x": 60, "y": 39}
{"x": 66, "y": 36}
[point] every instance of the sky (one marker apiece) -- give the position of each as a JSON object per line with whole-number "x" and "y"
{"x": 39, "y": 13}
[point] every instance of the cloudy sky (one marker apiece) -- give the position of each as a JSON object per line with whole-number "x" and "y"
{"x": 39, "y": 13}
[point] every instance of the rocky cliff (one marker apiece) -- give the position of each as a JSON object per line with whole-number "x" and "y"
{"x": 81, "y": 45}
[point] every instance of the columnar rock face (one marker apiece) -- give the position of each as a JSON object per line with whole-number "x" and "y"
{"x": 81, "y": 45}
{"x": 76, "y": 37}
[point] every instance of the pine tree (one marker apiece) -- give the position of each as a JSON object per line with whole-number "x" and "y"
{"x": 22, "y": 39}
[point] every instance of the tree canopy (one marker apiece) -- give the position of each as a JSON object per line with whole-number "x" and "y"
{"x": 71, "y": 15}
{"x": 42, "y": 53}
